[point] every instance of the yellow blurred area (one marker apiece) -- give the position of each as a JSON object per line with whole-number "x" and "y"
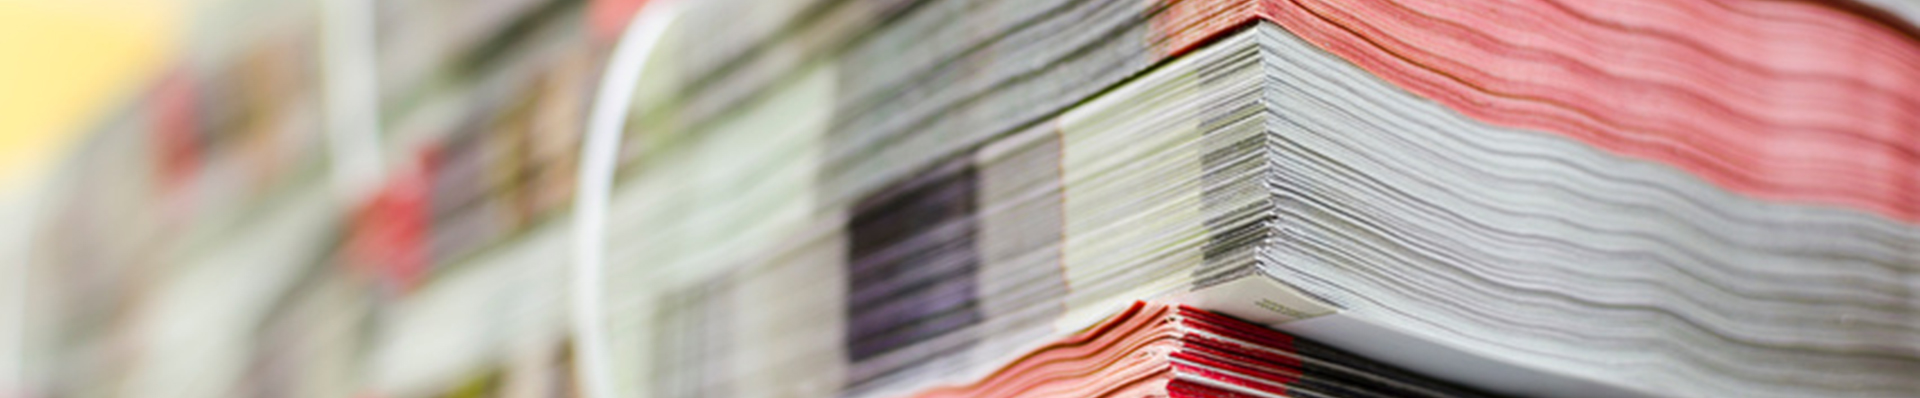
{"x": 63, "y": 62}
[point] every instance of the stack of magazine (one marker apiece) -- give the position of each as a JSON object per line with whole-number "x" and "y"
{"x": 933, "y": 198}
{"x": 1176, "y": 351}
{"x": 1539, "y": 199}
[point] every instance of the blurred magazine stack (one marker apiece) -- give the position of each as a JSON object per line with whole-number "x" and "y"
{"x": 919, "y": 198}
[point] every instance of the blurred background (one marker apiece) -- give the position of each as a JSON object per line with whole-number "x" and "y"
{"x": 54, "y": 90}
{"x": 176, "y": 173}
{"x": 56, "y": 87}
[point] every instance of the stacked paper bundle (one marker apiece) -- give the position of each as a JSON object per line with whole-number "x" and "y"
{"x": 1178, "y": 351}
{"x": 1524, "y": 198}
